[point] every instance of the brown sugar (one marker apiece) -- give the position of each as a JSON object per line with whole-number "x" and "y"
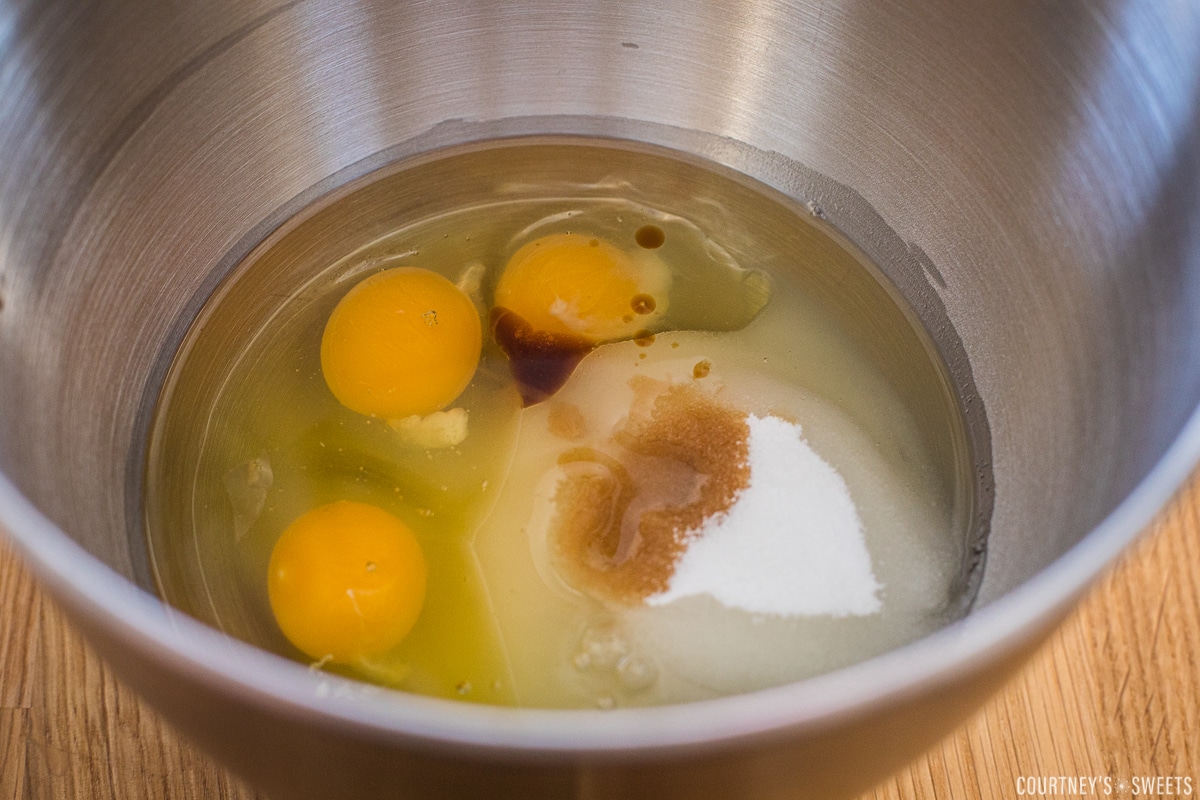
{"x": 565, "y": 421}
{"x": 622, "y": 520}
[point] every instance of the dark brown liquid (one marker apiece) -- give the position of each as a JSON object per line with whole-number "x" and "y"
{"x": 643, "y": 338}
{"x": 540, "y": 361}
{"x": 643, "y": 304}
{"x": 650, "y": 237}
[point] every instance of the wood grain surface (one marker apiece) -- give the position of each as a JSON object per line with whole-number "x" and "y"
{"x": 1115, "y": 693}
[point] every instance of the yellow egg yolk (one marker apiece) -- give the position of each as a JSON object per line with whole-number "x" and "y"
{"x": 578, "y": 285}
{"x": 402, "y": 342}
{"x": 346, "y": 581}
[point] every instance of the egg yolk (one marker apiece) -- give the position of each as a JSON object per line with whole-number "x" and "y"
{"x": 402, "y": 342}
{"x": 578, "y": 285}
{"x": 346, "y": 581}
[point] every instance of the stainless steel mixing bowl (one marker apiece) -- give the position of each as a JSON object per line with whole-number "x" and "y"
{"x": 1027, "y": 173}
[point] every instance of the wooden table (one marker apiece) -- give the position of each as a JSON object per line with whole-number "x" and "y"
{"x": 1115, "y": 693}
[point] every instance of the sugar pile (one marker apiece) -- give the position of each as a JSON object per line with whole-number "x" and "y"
{"x": 828, "y": 542}
{"x": 791, "y": 544}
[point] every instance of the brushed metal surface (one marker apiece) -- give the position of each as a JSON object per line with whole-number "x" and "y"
{"x": 1042, "y": 161}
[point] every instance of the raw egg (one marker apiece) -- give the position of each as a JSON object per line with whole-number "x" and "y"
{"x": 403, "y": 342}
{"x": 346, "y": 581}
{"x": 579, "y": 285}
{"x": 562, "y": 295}
{"x": 607, "y": 272}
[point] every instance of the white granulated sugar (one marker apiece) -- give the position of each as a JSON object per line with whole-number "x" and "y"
{"x": 791, "y": 544}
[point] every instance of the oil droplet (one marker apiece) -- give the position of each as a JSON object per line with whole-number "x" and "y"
{"x": 643, "y": 304}
{"x": 701, "y": 369}
{"x": 650, "y": 237}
